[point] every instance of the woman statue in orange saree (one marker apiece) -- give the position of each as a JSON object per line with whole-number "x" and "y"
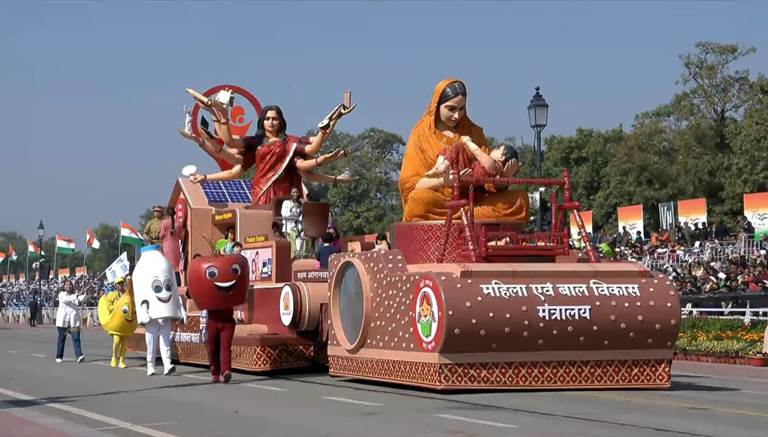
{"x": 445, "y": 123}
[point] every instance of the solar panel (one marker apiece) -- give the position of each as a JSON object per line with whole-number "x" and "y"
{"x": 233, "y": 191}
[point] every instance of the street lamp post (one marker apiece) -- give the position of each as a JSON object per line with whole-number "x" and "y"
{"x": 538, "y": 110}
{"x": 40, "y": 234}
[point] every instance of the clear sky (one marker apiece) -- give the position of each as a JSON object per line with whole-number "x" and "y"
{"x": 93, "y": 91}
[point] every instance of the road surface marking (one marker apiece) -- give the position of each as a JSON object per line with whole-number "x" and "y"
{"x": 84, "y": 413}
{"x": 266, "y": 387}
{"x": 13, "y": 352}
{"x": 107, "y": 428}
{"x": 672, "y": 403}
{"x": 719, "y": 377}
{"x": 352, "y": 401}
{"x": 207, "y": 378}
{"x": 478, "y": 421}
{"x": 37, "y": 355}
{"x": 755, "y": 392}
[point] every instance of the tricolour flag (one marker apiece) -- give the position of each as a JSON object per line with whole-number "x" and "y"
{"x": 90, "y": 239}
{"x": 32, "y": 248}
{"x": 64, "y": 245}
{"x": 2, "y": 256}
{"x": 129, "y": 235}
{"x": 11, "y": 253}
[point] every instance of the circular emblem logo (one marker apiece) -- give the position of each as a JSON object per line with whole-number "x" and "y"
{"x": 286, "y": 305}
{"x": 242, "y": 115}
{"x": 427, "y": 304}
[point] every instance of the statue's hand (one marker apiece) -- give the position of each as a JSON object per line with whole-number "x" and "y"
{"x": 346, "y": 178}
{"x": 189, "y": 136}
{"x": 220, "y": 111}
{"x": 197, "y": 178}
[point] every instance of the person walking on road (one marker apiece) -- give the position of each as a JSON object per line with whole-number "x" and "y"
{"x": 33, "y": 308}
{"x": 68, "y": 320}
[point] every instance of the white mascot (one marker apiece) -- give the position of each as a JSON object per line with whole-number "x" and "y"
{"x": 158, "y": 304}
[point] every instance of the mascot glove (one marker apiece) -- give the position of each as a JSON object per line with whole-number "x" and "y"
{"x": 143, "y": 318}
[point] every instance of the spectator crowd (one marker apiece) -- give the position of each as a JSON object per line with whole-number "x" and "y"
{"x": 18, "y": 294}
{"x": 700, "y": 259}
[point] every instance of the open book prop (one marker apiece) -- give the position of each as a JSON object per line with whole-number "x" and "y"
{"x": 338, "y": 112}
{"x": 223, "y": 97}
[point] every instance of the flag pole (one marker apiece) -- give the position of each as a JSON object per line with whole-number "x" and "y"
{"x": 85, "y": 253}
{"x": 26, "y": 275}
{"x": 55, "y": 252}
{"x": 119, "y": 238}
{"x": 8, "y": 271}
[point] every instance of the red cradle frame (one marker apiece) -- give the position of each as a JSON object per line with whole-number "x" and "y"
{"x": 508, "y": 242}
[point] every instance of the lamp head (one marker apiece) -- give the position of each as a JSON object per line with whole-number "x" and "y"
{"x": 538, "y": 110}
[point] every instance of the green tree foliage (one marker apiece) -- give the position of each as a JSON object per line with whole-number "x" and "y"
{"x": 716, "y": 90}
{"x": 587, "y": 156}
{"x": 144, "y": 218}
{"x": 19, "y": 246}
{"x": 99, "y": 259}
{"x": 710, "y": 140}
{"x": 372, "y": 202}
{"x": 746, "y": 169}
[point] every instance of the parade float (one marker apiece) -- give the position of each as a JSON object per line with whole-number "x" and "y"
{"x": 459, "y": 303}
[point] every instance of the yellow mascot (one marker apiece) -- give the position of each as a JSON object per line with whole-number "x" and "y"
{"x": 117, "y": 314}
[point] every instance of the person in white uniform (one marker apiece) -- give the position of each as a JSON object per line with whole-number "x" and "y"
{"x": 291, "y": 210}
{"x": 158, "y": 304}
{"x": 68, "y": 320}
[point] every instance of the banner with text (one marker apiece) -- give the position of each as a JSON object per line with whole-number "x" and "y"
{"x": 586, "y": 216}
{"x": 631, "y": 217}
{"x": 693, "y": 211}
{"x": 667, "y": 216}
{"x": 756, "y": 211}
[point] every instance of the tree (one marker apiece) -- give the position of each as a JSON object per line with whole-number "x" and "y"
{"x": 372, "y": 202}
{"x": 747, "y": 166}
{"x": 144, "y": 218}
{"x": 99, "y": 259}
{"x": 713, "y": 87}
{"x": 19, "y": 246}
{"x": 586, "y": 155}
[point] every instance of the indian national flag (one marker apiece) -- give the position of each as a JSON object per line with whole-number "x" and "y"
{"x": 90, "y": 239}
{"x": 11, "y": 253}
{"x": 64, "y": 245}
{"x": 32, "y": 248}
{"x": 129, "y": 235}
{"x": 2, "y": 256}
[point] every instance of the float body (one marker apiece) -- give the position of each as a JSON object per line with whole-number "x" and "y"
{"x": 500, "y": 325}
{"x": 517, "y": 321}
{"x": 460, "y": 303}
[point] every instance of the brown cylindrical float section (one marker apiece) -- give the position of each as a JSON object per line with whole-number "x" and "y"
{"x": 582, "y": 311}
{"x": 576, "y": 322}
{"x": 300, "y": 304}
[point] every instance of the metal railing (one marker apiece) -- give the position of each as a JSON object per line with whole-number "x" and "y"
{"x": 747, "y": 314}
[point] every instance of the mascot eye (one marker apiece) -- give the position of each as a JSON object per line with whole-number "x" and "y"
{"x": 167, "y": 284}
{"x": 236, "y": 269}
{"x": 125, "y": 310}
{"x": 211, "y": 272}
{"x": 157, "y": 286}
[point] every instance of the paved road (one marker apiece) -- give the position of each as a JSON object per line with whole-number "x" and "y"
{"x": 40, "y": 397}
